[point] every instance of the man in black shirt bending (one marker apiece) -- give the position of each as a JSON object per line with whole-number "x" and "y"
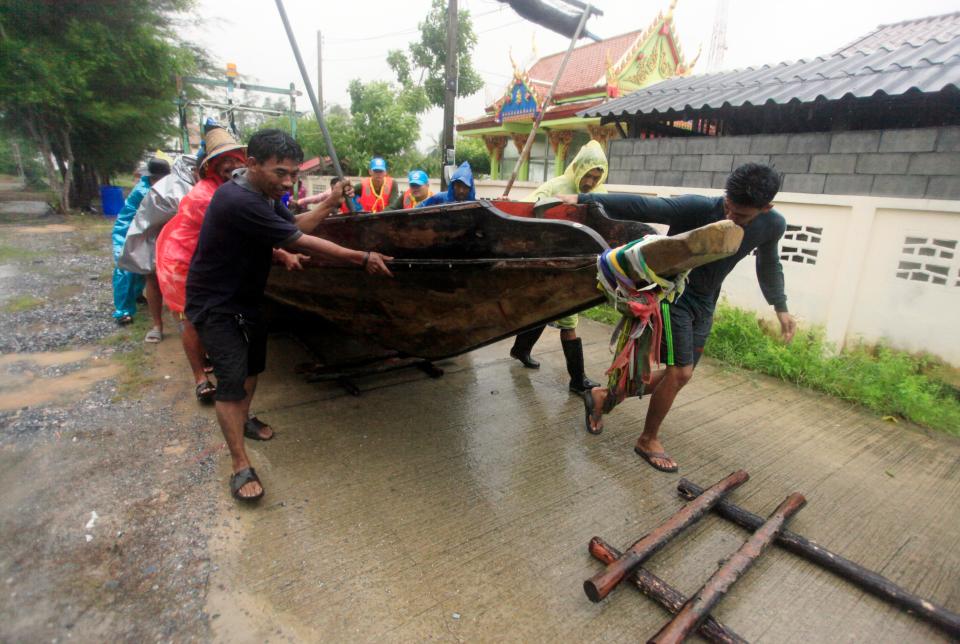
{"x": 747, "y": 202}
{"x": 244, "y": 222}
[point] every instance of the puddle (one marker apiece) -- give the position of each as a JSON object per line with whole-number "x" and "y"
{"x": 8, "y": 270}
{"x": 25, "y": 389}
{"x": 47, "y": 358}
{"x": 49, "y": 228}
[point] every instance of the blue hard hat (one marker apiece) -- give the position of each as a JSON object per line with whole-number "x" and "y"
{"x": 377, "y": 163}
{"x": 418, "y": 178}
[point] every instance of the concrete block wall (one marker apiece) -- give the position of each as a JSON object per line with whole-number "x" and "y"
{"x": 923, "y": 162}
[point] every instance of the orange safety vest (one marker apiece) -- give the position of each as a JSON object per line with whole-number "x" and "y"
{"x": 409, "y": 201}
{"x": 371, "y": 201}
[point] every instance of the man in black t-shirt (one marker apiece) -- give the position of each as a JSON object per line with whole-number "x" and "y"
{"x": 243, "y": 224}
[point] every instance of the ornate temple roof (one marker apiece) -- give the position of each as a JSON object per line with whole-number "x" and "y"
{"x": 587, "y": 75}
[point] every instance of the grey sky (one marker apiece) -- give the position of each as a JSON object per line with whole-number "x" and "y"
{"x": 358, "y": 35}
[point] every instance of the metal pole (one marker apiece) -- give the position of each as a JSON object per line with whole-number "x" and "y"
{"x": 853, "y": 572}
{"x": 293, "y": 111}
{"x": 450, "y": 93}
{"x": 320, "y": 70}
{"x": 661, "y": 592}
{"x": 600, "y": 585}
{"x": 313, "y": 97}
{"x": 698, "y": 607}
{"x": 546, "y": 101}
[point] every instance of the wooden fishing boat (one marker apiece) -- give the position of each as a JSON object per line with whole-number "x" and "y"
{"x": 465, "y": 274}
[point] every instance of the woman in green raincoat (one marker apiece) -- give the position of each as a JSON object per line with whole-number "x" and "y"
{"x": 586, "y": 173}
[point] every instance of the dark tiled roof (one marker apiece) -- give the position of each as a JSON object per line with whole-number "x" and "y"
{"x": 930, "y": 66}
{"x": 921, "y": 55}
{"x": 909, "y": 32}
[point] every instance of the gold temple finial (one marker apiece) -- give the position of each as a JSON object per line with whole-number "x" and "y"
{"x": 673, "y": 5}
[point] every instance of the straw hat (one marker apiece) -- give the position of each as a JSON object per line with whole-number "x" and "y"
{"x": 218, "y": 141}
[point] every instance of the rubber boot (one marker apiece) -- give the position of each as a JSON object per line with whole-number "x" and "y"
{"x": 523, "y": 344}
{"x": 573, "y": 352}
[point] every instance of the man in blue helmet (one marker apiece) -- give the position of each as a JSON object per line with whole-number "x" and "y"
{"x": 419, "y": 189}
{"x": 460, "y": 189}
{"x": 378, "y": 191}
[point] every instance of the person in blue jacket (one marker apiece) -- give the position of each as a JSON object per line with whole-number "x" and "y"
{"x": 126, "y": 285}
{"x": 460, "y": 189}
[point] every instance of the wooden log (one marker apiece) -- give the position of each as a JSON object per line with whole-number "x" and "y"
{"x": 600, "y": 585}
{"x": 673, "y": 255}
{"x": 699, "y": 606}
{"x": 867, "y": 580}
{"x": 661, "y": 592}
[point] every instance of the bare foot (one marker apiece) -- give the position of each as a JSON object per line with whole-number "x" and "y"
{"x": 651, "y": 450}
{"x": 251, "y": 490}
{"x": 256, "y": 429}
{"x": 599, "y": 396}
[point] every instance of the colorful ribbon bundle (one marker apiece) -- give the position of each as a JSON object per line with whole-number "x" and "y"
{"x": 635, "y": 291}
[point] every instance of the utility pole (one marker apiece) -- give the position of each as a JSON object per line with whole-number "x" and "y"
{"x": 718, "y": 40}
{"x": 450, "y": 93}
{"x": 320, "y": 69}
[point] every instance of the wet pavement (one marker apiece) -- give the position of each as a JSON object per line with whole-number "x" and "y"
{"x": 452, "y": 509}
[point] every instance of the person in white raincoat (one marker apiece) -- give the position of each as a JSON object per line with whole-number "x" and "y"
{"x": 139, "y": 249}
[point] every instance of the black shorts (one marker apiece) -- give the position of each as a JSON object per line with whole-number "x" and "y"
{"x": 237, "y": 347}
{"x": 686, "y": 326}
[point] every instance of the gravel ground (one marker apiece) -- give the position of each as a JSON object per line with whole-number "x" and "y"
{"x": 107, "y": 494}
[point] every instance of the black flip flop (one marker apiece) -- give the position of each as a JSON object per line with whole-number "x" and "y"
{"x": 241, "y": 478}
{"x": 251, "y": 429}
{"x": 649, "y": 456}
{"x": 205, "y": 391}
{"x": 588, "y": 408}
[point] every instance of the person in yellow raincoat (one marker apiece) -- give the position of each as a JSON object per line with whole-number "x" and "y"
{"x": 586, "y": 173}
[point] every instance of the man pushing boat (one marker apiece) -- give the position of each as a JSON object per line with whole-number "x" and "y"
{"x": 228, "y": 273}
{"x": 687, "y": 319}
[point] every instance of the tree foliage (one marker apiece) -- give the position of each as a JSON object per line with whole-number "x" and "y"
{"x": 474, "y": 150}
{"x": 379, "y": 122}
{"x": 420, "y": 70}
{"x": 91, "y": 88}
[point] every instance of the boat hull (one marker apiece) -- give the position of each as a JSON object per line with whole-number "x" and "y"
{"x": 465, "y": 275}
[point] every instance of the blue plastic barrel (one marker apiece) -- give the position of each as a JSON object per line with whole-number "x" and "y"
{"x": 111, "y": 200}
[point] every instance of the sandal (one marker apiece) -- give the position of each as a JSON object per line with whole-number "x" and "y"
{"x": 205, "y": 391}
{"x": 207, "y": 366}
{"x": 241, "y": 478}
{"x": 589, "y": 408}
{"x": 253, "y": 427}
{"x": 663, "y": 456}
{"x": 153, "y": 336}
{"x": 124, "y": 320}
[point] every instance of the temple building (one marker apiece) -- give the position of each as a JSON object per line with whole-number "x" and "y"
{"x": 595, "y": 73}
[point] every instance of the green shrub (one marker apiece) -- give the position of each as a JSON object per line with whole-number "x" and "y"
{"x": 886, "y": 381}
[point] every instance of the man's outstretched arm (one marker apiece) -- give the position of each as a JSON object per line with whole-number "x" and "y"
{"x": 770, "y": 277}
{"x": 371, "y": 261}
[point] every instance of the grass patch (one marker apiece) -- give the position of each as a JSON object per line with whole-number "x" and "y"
{"x": 20, "y": 303}
{"x": 884, "y": 380}
{"x": 13, "y": 254}
{"x": 132, "y": 356}
{"x": 602, "y": 313}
